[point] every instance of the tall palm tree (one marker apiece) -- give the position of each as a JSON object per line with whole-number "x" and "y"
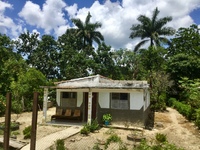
{"x": 87, "y": 31}
{"x": 151, "y": 29}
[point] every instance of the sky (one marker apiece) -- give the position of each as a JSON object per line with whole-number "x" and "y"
{"x": 117, "y": 16}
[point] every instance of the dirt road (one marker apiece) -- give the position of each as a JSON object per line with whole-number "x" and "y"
{"x": 178, "y": 130}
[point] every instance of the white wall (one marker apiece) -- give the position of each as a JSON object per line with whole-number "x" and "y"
{"x": 136, "y": 100}
{"x": 104, "y": 99}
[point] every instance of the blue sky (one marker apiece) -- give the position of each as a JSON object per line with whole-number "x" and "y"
{"x": 117, "y": 16}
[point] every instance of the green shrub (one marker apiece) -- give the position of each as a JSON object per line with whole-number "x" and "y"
{"x": 183, "y": 109}
{"x": 94, "y": 125}
{"x": 197, "y": 115}
{"x": 60, "y": 145}
{"x": 96, "y": 147}
{"x": 171, "y": 101}
{"x": 27, "y": 132}
{"x": 161, "y": 137}
{"x": 2, "y": 105}
{"x": 112, "y": 138}
{"x": 164, "y": 145}
{"x": 85, "y": 130}
{"x": 16, "y": 107}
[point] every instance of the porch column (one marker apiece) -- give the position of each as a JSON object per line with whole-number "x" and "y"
{"x": 89, "y": 107}
{"x": 45, "y": 105}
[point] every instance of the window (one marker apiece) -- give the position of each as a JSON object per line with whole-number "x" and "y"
{"x": 119, "y": 100}
{"x": 68, "y": 94}
{"x": 69, "y": 99}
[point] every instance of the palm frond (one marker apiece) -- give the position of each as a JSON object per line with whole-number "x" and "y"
{"x": 87, "y": 20}
{"x": 139, "y": 45}
{"x": 155, "y": 15}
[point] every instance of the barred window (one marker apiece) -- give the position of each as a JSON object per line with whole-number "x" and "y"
{"x": 119, "y": 100}
{"x": 69, "y": 99}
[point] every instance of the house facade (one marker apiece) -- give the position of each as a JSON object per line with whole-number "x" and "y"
{"x": 126, "y": 100}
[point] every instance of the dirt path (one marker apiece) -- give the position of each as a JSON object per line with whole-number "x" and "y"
{"x": 178, "y": 130}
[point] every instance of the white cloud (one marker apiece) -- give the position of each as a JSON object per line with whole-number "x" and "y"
{"x": 116, "y": 18}
{"x": 50, "y": 17}
{"x": 7, "y": 25}
{"x": 72, "y": 10}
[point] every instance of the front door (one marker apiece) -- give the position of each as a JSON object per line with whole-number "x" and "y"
{"x": 94, "y": 106}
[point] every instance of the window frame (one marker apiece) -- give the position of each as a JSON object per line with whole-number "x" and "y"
{"x": 68, "y": 98}
{"x": 120, "y": 100}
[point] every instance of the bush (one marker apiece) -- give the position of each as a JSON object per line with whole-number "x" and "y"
{"x": 164, "y": 146}
{"x": 2, "y": 105}
{"x": 60, "y": 145}
{"x": 112, "y": 138}
{"x": 85, "y": 130}
{"x": 94, "y": 125}
{"x": 171, "y": 101}
{"x": 90, "y": 128}
{"x": 27, "y": 132}
{"x": 16, "y": 107}
{"x": 197, "y": 115}
{"x": 161, "y": 137}
{"x": 183, "y": 109}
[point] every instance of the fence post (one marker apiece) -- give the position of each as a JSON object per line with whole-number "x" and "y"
{"x": 34, "y": 121}
{"x": 7, "y": 121}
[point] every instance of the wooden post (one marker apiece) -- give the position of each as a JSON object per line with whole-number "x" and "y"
{"x": 34, "y": 121}
{"x": 7, "y": 121}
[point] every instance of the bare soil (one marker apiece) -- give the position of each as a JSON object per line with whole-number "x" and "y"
{"x": 179, "y": 131}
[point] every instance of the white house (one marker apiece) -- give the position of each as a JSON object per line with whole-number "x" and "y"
{"x": 125, "y": 100}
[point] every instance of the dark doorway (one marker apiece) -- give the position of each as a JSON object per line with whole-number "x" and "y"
{"x": 94, "y": 105}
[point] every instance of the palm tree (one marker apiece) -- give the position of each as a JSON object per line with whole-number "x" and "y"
{"x": 87, "y": 31}
{"x": 151, "y": 29}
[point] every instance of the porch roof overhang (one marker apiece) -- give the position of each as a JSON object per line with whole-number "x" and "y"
{"x": 99, "y": 82}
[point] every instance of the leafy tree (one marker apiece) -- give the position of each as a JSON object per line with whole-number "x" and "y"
{"x": 151, "y": 29}
{"x": 128, "y": 64}
{"x": 28, "y": 82}
{"x": 153, "y": 59}
{"x": 183, "y": 57}
{"x": 160, "y": 83}
{"x": 190, "y": 92}
{"x": 46, "y": 57}
{"x": 104, "y": 63}
{"x": 10, "y": 64}
{"x": 183, "y": 65}
{"x": 72, "y": 61}
{"x": 26, "y": 45}
{"x": 187, "y": 41}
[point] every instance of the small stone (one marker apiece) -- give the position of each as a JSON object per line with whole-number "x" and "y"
{"x": 72, "y": 140}
{"x": 159, "y": 125}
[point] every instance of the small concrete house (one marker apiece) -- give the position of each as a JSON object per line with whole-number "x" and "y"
{"x": 126, "y": 100}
